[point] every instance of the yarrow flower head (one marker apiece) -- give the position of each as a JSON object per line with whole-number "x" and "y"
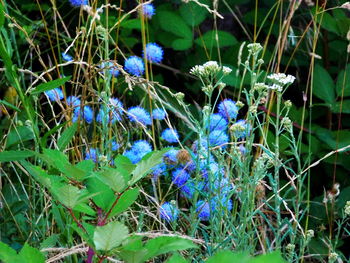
{"x": 170, "y": 135}
{"x": 154, "y": 53}
{"x": 218, "y": 138}
{"x": 148, "y": 10}
{"x": 347, "y": 208}
{"x": 112, "y": 69}
{"x": 169, "y": 212}
{"x": 54, "y": 94}
{"x": 139, "y": 115}
{"x": 138, "y": 150}
{"x": 210, "y": 68}
{"x": 134, "y": 65}
{"x": 91, "y": 154}
{"x": 203, "y": 210}
{"x": 78, "y": 3}
{"x": 217, "y": 122}
{"x": 180, "y": 177}
{"x": 228, "y": 109}
{"x": 158, "y": 114}
{"x": 240, "y": 129}
{"x": 66, "y": 57}
{"x": 281, "y": 79}
{"x": 111, "y": 113}
{"x": 85, "y": 112}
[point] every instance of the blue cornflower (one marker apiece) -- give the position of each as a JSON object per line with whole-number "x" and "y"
{"x": 222, "y": 186}
{"x": 170, "y": 135}
{"x": 154, "y": 53}
{"x": 240, "y": 129}
{"x": 221, "y": 203}
{"x": 73, "y": 101}
{"x": 158, "y": 170}
{"x": 55, "y": 94}
{"x": 133, "y": 157}
{"x": 180, "y": 177}
{"x": 217, "y": 138}
{"x": 228, "y": 109}
{"x": 139, "y": 114}
{"x": 66, "y": 57}
{"x": 190, "y": 188}
{"x": 114, "y": 111}
{"x": 217, "y": 122}
{"x": 134, "y": 65}
{"x": 114, "y": 146}
{"x": 213, "y": 168}
{"x": 91, "y": 154}
{"x": 158, "y": 114}
{"x": 87, "y": 114}
{"x": 138, "y": 150}
{"x": 169, "y": 212}
{"x": 112, "y": 69}
{"x": 148, "y": 10}
{"x": 78, "y": 3}
{"x": 203, "y": 210}
{"x": 170, "y": 157}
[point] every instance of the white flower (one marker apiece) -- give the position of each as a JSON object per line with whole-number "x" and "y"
{"x": 347, "y": 208}
{"x": 281, "y": 78}
{"x": 197, "y": 70}
{"x": 276, "y": 87}
{"x": 226, "y": 70}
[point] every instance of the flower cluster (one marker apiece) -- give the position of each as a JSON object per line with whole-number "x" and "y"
{"x": 281, "y": 79}
{"x": 138, "y": 150}
{"x": 210, "y": 68}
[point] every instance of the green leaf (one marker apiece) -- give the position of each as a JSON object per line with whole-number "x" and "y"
{"x": 7, "y": 254}
{"x": 68, "y": 195}
{"x": 125, "y": 201}
{"x": 67, "y": 136}
{"x": 146, "y": 164}
{"x": 110, "y": 236}
{"x": 104, "y": 197}
{"x": 192, "y": 13}
{"x": 123, "y": 162}
{"x": 338, "y": 107}
{"x": 19, "y": 135}
{"x": 4, "y": 102}
{"x": 114, "y": 179}
{"x": 131, "y": 24}
{"x": 182, "y": 44}
{"x": 173, "y": 23}
{"x": 132, "y": 250}
{"x": 176, "y": 258}
{"x": 274, "y": 257}
{"x": 50, "y": 85}
{"x": 323, "y": 86}
{"x": 31, "y": 255}
{"x": 9, "y": 156}
{"x": 229, "y": 257}
{"x": 208, "y": 40}
{"x": 343, "y": 82}
{"x": 329, "y": 23}
{"x": 161, "y": 245}
{"x": 2, "y": 16}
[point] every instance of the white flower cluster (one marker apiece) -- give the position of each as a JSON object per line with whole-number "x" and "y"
{"x": 347, "y": 208}
{"x": 281, "y": 78}
{"x": 254, "y": 48}
{"x": 209, "y": 68}
{"x": 275, "y": 87}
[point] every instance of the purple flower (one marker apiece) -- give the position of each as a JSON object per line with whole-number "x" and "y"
{"x": 78, "y": 3}
{"x": 134, "y": 65}
{"x": 203, "y": 210}
{"x": 139, "y": 115}
{"x": 148, "y": 10}
{"x": 154, "y": 53}
{"x": 180, "y": 177}
{"x": 169, "y": 212}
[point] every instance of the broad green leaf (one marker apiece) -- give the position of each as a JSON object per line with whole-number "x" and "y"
{"x": 84, "y": 208}
{"x": 40, "y": 175}
{"x": 173, "y": 23}
{"x": 146, "y": 164}
{"x": 125, "y": 201}
{"x": 19, "y": 135}
{"x": 114, "y": 179}
{"x": 343, "y": 82}
{"x": 7, "y": 254}
{"x": 68, "y": 195}
{"x": 31, "y": 255}
{"x": 104, "y": 197}
{"x": 131, "y": 24}
{"x": 161, "y": 245}
{"x": 123, "y": 162}
{"x": 192, "y": 13}
{"x": 229, "y": 257}
{"x": 50, "y": 241}
{"x": 86, "y": 165}
{"x": 176, "y": 258}
{"x": 50, "y": 132}
{"x": 132, "y": 250}
{"x": 274, "y": 257}
{"x": 330, "y": 23}
{"x": 208, "y": 40}
{"x": 110, "y": 236}
{"x": 182, "y": 44}
{"x": 323, "y": 86}
{"x": 9, "y": 156}
{"x": 343, "y": 107}
{"x": 67, "y": 136}
{"x": 50, "y": 85}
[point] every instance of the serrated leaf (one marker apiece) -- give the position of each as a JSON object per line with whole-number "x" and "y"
{"x": 67, "y": 136}
{"x": 182, "y": 44}
{"x": 173, "y": 23}
{"x": 31, "y": 255}
{"x": 114, "y": 179}
{"x": 104, "y": 197}
{"x": 323, "y": 86}
{"x": 125, "y": 201}
{"x": 68, "y": 195}
{"x": 9, "y": 156}
{"x": 110, "y": 236}
{"x": 146, "y": 165}
{"x": 161, "y": 245}
{"x": 50, "y": 85}
{"x": 123, "y": 162}
{"x": 208, "y": 40}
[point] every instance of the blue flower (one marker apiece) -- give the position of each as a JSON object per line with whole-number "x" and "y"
{"x": 154, "y": 53}
{"x": 114, "y": 146}
{"x": 66, "y": 57}
{"x": 78, "y": 3}
{"x": 228, "y": 109}
{"x": 217, "y": 122}
{"x": 73, "y": 101}
{"x": 114, "y": 111}
{"x": 221, "y": 186}
{"x": 203, "y": 210}
{"x": 170, "y": 157}
{"x": 213, "y": 168}
{"x": 112, "y": 69}
{"x": 55, "y": 94}
{"x": 170, "y": 135}
{"x": 158, "y": 114}
{"x": 191, "y": 187}
{"x": 138, "y": 150}
{"x": 180, "y": 177}
{"x": 217, "y": 138}
{"x": 139, "y": 114}
{"x": 158, "y": 170}
{"x": 87, "y": 114}
{"x": 148, "y": 10}
{"x": 134, "y": 65}
{"x": 91, "y": 154}
{"x": 221, "y": 203}
{"x": 169, "y": 212}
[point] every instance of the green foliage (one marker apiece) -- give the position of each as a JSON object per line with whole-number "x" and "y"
{"x": 109, "y": 236}
{"x": 27, "y": 254}
{"x": 228, "y": 257}
{"x": 323, "y": 87}
{"x": 50, "y": 85}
